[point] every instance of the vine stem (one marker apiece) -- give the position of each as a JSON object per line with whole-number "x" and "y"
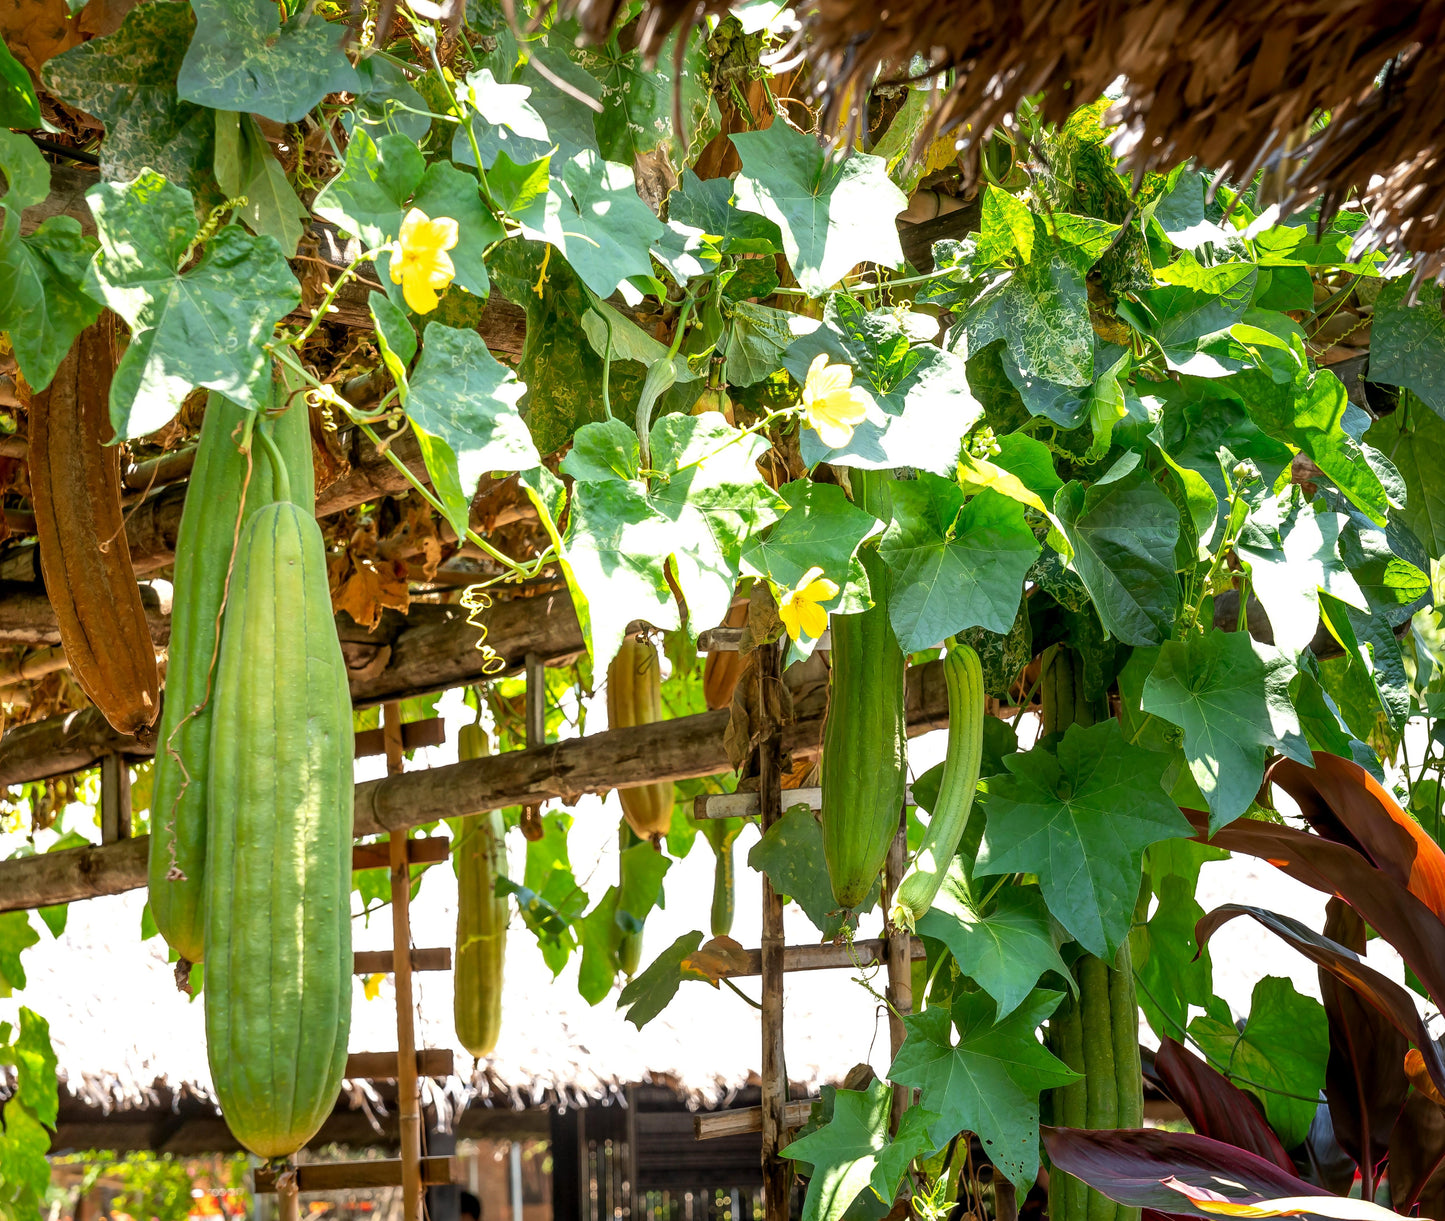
{"x": 348, "y": 273}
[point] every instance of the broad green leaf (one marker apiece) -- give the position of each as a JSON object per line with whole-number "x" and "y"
{"x": 1005, "y": 952}
{"x": 1079, "y": 814}
{"x": 462, "y": 402}
{"x": 854, "y": 1151}
{"x": 128, "y": 81}
{"x": 24, "y": 1170}
{"x": 1413, "y": 438}
{"x": 1230, "y": 695}
{"x": 1123, "y": 533}
{"x": 1323, "y": 727}
{"x": 988, "y": 1081}
{"x": 651, "y": 991}
{"x": 636, "y": 97}
{"x": 1309, "y": 413}
{"x": 1171, "y": 971}
{"x": 16, "y": 935}
{"x": 448, "y": 191}
{"x": 598, "y": 935}
{"x": 791, "y": 854}
{"x": 833, "y": 214}
{"x": 642, "y": 869}
{"x": 1279, "y": 1057}
{"x": 19, "y": 106}
{"x": 956, "y": 565}
{"x": 201, "y": 328}
{"x": 34, "y": 1059}
{"x": 1155, "y": 733}
{"x": 245, "y": 165}
{"x": 1375, "y": 669}
{"x": 1195, "y": 303}
{"x": 394, "y": 337}
{"x": 243, "y": 58}
{"x": 757, "y": 339}
{"x": 686, "y": 252}
{"x": 1407, "y": 342}
{"x": 26, "y": 173}
{"x": 42, "y": 303}
{"x": 367, "y": 199}
{"x": 386, "y": 102}
{"x": 821, "y": 528}
{"x": 920, "y": 390}
{"x": 708, "y": 205}
{"x": 595, "y": 218}
{"x": 509, "y": 122}
{"x": 1006, "y": 228}
{"x": 1183, "y": 216}
{"x": 704, "y": 504}
{"x": 1287, "y": 572}
{"x": 550, "y": 898}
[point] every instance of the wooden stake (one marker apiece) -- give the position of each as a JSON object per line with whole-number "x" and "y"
{"x": 899, "y": 956}
{"x": 777, "y": 1171}
{"x": 536, "y": 726}
{"x": 408, "y": 1101}
{"x": 288, "y": 1195}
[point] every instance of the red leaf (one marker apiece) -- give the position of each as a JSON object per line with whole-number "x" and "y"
{"x": 1130, "y": 1166}
{"x": 1383, "y": 903}
{"x": 1343, "y": 802}
{"x": 1214, "y": 1106}
{"x": 1389, "y": 999}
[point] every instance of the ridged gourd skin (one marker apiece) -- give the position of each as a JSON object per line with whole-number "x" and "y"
{"x": 634, "y": 697}
{"x": 864, "y": 764}
{"x": 720, "y": 834}
{"x": 963, "y": 675}
{"x": 278, "y": 854}
{"x": 1096, "y": 1033}
{"x": 480, "y": 855}
{"x": 204, "y": 545}
{"x": 84, "y": 555}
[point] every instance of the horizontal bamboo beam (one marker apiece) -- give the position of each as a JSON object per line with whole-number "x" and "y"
{"x": 380, "y": 962}
{"x": 741, "y": 1120}
{"x": 340, "y": 1176}
{"x": 824, "y": 957}
{"x": 681, "y": 749}
{"x": 431, "y": 649}
{"x": 381, "y": 1065}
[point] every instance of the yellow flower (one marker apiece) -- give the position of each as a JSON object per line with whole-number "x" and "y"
{"x": 372, "y": 987}
{"x": 800, "y": 609}
{"x": 832, "y": 405}
{"x": 420, "y": 263}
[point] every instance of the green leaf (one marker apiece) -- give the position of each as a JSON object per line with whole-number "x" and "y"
{"x": 1230, "y": 695}
{"x": 1194, "y": 304}
{"x": 462, "y": 402}
{"x": 652, "y": 991}
{"x": 19, "y": 106}
{"x": 1123, "y": 532}
{"x": 383, "y": 93}
{"x": 1288, "y": 571}
{"x": 921, "y": 391}
{"x": 1079, "y": 814}
{"x": 1407, "y": 342}
{"x": 636, "y": 97}
{"x": 368, "y": 197}
{"x": 821, "y": 528}
{"x": 1279, "y": 1057}
{"x": 246, "y": 166}
{"x": 509, "y": 124}
{"x": 128, "y": 81}
{"x": 34, "y": 1058}
{"x": 43, "y": 306}
{"x": 955, "y": 565}
{"x": 24, "y": 1170}
{"x": 1414, "y": 440}
{"x": 988, "y": 1082}
{"x": 243, "y": 58}
{"x": 1006, "y": 228}
{"x": 15, "y": 935}
{"x": 1308, "y": 413}
{"x": 791, "y": 854}
{"x": 56, "y": 916}
{"x": 708, "y": 205}
{"x": 757, "y": 339}
{"x": 707, "y": 500}
{"x": 1171, "y": 971}
{"x": 833, "y": 214}
{"x": 394, "y": 336}
{"x": 448, "y": 191}
{"x": 238, "y": 291}
{"x": 550, "y": 898}
{"x": 1183, "y": 215}
{"x": 26, "y": 172}
{"x": 854, "y": 1151}
{"x": 595, "y": 218}
{"x": 1004, "y": 952}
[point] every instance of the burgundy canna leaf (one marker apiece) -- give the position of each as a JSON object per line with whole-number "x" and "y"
{"x": 1343, "y": 802}
{"x": 1388, "y": 998}
{"x": 1214, "y": 1106}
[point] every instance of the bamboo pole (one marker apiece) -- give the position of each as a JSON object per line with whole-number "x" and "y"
{"x": 408, "y": 1099}
{"x": 899, "y": 954}
{"x": 777, "y": 1171}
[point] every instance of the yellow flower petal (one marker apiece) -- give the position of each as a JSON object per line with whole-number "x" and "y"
{"x": 791, "y": 615}
{"x": 372, "y": 987}
{"x": 813, "y": 619}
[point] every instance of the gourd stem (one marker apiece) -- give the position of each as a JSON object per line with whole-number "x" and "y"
{"x": 281, "y": 481}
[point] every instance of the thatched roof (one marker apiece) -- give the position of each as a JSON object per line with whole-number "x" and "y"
{"x": 1232, "y": 83}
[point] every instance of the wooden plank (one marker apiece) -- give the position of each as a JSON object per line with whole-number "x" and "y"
{"x": 680, "y": 749}
{"x": 414, "y": 735}
{"x": 379, "y": 962}
{"x": 381, "y": 1065}
{"x": 870, "y": 952}
{"x": 745, "y": 805}
{"x": 380, "y": 1172}
{"x": 114, "y": 799}
{"x": 741, "y": 1120}
{"x": 428, "y": 850}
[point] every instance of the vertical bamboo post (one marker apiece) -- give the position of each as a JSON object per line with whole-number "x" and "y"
{"x": 408, "y": 1099}
{"x": 288, "y": 1198}
{"x": 536, "y": 725}
{"x": 777, "y": 1171}
{"x": 899, "y": 957}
